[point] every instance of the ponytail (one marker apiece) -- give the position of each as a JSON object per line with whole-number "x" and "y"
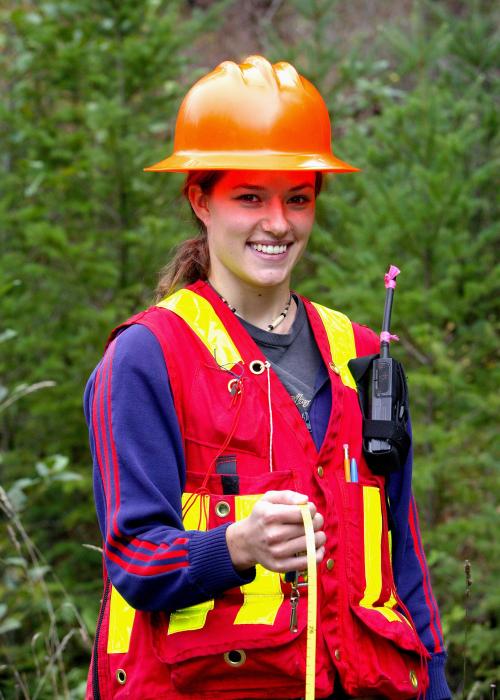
{"x": 191, "y": 261}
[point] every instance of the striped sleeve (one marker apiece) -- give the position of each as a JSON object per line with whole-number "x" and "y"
{"x": 412, "y": 577}
{"x": 138, "y": 480}
{"x": 411, "y": 572}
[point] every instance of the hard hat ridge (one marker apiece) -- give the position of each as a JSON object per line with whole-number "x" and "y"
{"x": 258, "y": 70}
{"x": 287, "y": 75}
{"x": 253, "y": 116}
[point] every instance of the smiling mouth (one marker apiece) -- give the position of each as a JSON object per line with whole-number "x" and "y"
{"x": 270, "y": 249}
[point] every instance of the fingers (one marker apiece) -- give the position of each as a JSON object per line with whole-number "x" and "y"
{"x": 298, "y": 563}
{"x": 281, "y": 510}
{"x": 291, "y": 555}
{"x": 318, "y": 522}
{"x": 273, "y": 534}
{"x": 296, "y": 546}
{"x": 290, "y": 498}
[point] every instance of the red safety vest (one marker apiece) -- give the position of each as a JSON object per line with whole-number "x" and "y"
{"x": 240, "y": 645}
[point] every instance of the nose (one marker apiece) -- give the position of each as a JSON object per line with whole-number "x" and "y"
{"x": 275, "y": 221}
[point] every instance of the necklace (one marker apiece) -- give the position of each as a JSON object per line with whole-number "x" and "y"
{"x": 270, "y": 326}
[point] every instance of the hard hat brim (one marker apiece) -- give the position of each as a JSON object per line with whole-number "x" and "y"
{"x": 185, "y": 161}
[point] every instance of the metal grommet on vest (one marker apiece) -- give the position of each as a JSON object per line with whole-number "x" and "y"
{"x": 337, "y": 654}
{"x": 233, "y": 386}
{"x": 222, "y": 509}
{"x": 121, "y": 676}
{"x": 334, "y": 368}
{"x": 257, "y": 367}
{"x": 413, "y": 678}
{"x": 235, "y": 657}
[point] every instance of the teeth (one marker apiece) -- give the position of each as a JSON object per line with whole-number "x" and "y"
{"x": 269, "y": 249}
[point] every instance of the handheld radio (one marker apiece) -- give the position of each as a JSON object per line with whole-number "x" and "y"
{"x": 383, "y": 396}
{"x": 384, "y": 406}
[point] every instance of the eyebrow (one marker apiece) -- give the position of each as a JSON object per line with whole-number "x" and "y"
{"x": 258, "y": 187}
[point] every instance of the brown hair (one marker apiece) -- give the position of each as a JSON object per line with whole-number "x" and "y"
{"x": 191, "y": 261}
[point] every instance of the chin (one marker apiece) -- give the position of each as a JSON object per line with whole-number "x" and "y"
{"x": 268, "y": 282}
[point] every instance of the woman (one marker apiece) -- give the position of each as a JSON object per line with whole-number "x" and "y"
{"x": 218, "y": 412}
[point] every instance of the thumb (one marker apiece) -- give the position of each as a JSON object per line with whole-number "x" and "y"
{"x": 289, "y": 498}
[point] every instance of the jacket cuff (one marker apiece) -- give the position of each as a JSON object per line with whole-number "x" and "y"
{"x": 438, "y": 686}
{"x": 212, "y": 569}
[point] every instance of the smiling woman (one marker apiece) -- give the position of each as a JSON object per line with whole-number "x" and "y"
{"x": 192, "y": 259}
{"x": 221, "y": 413}
{"x": 258, "y": 225}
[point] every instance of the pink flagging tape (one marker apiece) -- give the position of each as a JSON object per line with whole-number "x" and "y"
{"x": 390, "y": 277}
{"x": 386, "y": 337}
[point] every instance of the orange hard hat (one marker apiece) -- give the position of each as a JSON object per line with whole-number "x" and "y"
{"x": 253, "y": 116}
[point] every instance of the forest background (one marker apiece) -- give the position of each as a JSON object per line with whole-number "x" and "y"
{"x": 90, "y": 90}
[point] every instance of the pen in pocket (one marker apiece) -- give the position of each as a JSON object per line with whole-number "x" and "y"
{"x": 347, "y": 470}
{"x": 354, "y": 470}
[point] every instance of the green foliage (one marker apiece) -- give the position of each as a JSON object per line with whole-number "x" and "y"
{"x": 90, "y": 94}
{"x": 35, "y": 604}
{"x": 90, "y": 89}
{"x": 426, "y": 201}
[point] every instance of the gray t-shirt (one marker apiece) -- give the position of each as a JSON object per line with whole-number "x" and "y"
{"x": 294, "y": 356}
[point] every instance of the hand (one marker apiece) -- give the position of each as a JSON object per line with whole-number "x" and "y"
{"x": 273, "y": 534}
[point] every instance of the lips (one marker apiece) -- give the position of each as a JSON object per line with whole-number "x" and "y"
{"x": 270, "y": 249}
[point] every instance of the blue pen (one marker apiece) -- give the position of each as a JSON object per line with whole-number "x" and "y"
{"x": 354, "y": 470}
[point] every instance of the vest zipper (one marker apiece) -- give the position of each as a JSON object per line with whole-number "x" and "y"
{"x": 95, "y": 666}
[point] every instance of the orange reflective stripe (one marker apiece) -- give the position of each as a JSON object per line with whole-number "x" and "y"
{"x": 193, "y": 617}
{"x": 341, "y": 340}
{"x": 262, "y": 598}
{"x": 121, "y": 621}
{"x": 372, "y": 524}
{"x": 200, "y": 316}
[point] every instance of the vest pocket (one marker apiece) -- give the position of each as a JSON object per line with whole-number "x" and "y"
{"x": 230, "y": 653}
{"x": 240, "y": 642}
{"x": 390, "y": 658}
{"x": 381, "y": 665}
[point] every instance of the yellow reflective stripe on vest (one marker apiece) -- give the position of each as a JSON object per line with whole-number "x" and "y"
{"x": 262, "y": 598}
{"x": 200, "y": 316}
{"x": 341, "y": 340}
{"x": 372, "y": 523}
{"x": 121, "y": 621}
{"x": 121, "y": 614}
{"x": 195, "y": 616}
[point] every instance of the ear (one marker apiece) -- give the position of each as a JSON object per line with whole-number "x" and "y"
{"x": 199, "y": 202}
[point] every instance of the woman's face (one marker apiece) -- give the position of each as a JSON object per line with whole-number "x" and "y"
{"x": 258, "y": 225}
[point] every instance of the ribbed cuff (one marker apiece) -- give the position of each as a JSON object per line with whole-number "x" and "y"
{"x": 438, "y": 686}
{"x": 211, "y": 567}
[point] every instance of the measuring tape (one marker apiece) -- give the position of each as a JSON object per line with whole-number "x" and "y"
{"x": 312, "y": 603}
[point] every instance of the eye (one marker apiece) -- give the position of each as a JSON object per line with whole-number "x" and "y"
{"x": 299, "y": 199}
{"x": 248, "y": 197}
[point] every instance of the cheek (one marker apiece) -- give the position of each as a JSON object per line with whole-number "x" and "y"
{"x": 304, "y": 224}
{"x": 227, "y": 220}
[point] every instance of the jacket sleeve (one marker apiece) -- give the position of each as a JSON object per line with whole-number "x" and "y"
{"x": 412, "y": 577}
{"x": 409, "y": 564}
{"x": 139, "y": 475}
